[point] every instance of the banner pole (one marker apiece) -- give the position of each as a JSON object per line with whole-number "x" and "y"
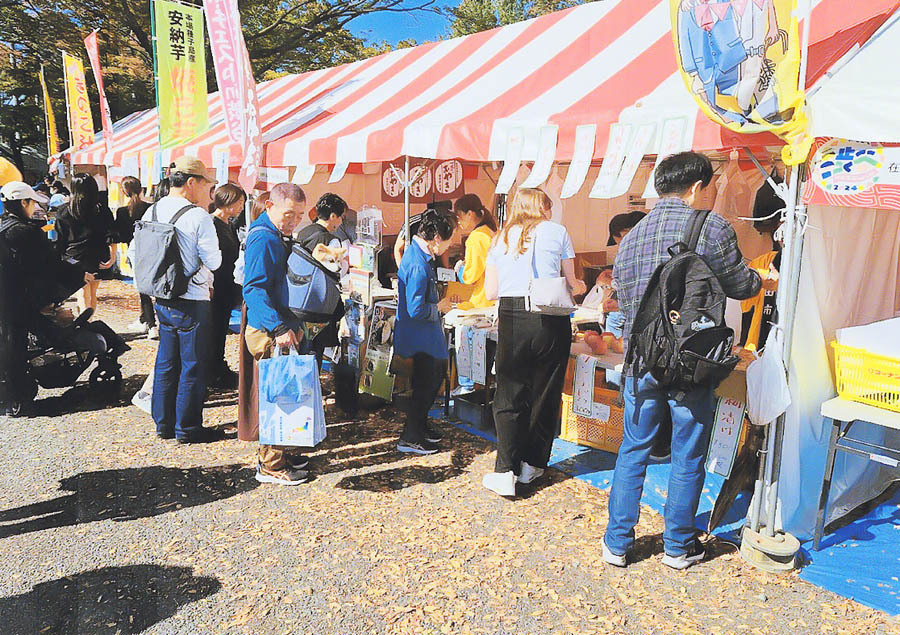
{"x": 155, "y": 69}
{"x": 44, "y": 94}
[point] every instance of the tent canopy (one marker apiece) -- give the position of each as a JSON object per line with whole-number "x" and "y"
{"x": 594, "y": 64}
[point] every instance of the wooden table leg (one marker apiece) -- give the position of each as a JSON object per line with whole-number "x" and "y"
{"x": 826, "y": 484}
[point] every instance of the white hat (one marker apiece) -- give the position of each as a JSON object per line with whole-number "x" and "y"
{"x": 18, "y": 191}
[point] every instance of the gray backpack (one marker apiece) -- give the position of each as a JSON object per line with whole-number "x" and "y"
{"x": 158, "y": 268}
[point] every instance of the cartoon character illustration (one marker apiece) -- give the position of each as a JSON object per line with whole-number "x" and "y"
{"x": 724, "y": 46}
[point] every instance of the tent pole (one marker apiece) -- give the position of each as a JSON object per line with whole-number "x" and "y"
{"x": 406, "y": 184}
{"x": 787, "y": 300}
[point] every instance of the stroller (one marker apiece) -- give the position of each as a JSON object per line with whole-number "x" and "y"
{"x": 58, "y": 355}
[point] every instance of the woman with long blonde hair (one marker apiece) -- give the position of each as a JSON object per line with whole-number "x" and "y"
{"x": 532, "y": 348}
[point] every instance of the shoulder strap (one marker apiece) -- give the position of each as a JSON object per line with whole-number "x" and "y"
{"x": 534, "y": 271}
{"x": 695, "y": 228}
{"x": 184, "y": 210}
{"x": 153, "y": 212}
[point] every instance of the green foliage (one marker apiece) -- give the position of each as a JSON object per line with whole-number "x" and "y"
{"x": 473, "y": 16}
{"x": 285, "y": 36}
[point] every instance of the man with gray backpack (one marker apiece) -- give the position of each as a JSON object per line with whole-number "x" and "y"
{"x": 173, "y": 254}
{"x": 673, "y": 272}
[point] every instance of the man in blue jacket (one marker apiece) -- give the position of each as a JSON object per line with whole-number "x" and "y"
{"x": 270, "y": 322}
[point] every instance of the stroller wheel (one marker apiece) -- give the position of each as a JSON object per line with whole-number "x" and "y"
{"x": 105, "y": 379}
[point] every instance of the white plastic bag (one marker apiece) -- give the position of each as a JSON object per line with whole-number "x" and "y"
{"x": 768, "y": 395}
{"x": 142, "y": 397}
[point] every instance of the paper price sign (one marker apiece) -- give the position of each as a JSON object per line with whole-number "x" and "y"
{"x": 723, "y": 444}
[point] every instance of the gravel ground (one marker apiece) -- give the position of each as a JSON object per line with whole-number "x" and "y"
{"x": 106, "y": 529}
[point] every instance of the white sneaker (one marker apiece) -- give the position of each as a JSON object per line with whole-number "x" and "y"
{"x": 137, "y": 327}
{"x": 153, "y": 333}
{"x": 694, "y": 555}
{"x": 610, "y": 558}
{"x": 503, "y": 483}
{"x": 528, "y": 474}
{"x": 461, "y": 390}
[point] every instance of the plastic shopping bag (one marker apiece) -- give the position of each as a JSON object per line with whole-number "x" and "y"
{"x": 290, "y": 401}
{"x": 143, "y": 396}
{"x": 768, "y": 395}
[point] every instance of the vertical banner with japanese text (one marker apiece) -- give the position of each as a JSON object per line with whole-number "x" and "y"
{"x": 49, "y": 119}
{"x": 181, "y": 72}
{"x": 237, "y": 86}
{"x": 740, "y": 59}
{"x": 93, "y": 51}
{"x": 81, "y": 122}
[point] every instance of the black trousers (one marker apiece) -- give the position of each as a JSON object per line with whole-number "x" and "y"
{"x": 148, "y": 315}
{"x": 532, "y": 354}
{"x": 219, "y": 322}
{"x": 427, "y": 375}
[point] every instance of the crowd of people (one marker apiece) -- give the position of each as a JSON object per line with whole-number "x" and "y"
{"x": 236, "y": 255}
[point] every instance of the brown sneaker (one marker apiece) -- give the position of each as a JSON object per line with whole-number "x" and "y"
{"x": 284, "y": 476}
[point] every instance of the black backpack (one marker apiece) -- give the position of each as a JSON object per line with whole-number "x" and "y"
{"x": 679, "y": 334}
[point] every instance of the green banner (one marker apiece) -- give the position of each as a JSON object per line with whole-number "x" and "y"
{"x": 180, "y": 71}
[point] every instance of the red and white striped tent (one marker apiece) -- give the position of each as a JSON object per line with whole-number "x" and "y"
{"x": 536, "y": 85}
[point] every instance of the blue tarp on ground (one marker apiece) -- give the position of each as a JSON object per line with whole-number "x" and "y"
{"x": 860, "y": 561}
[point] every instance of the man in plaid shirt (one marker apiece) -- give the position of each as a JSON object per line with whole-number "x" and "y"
{"x": 679, "y": 180}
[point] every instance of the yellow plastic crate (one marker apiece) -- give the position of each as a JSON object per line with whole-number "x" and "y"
{"x": 603, "y": 435}
{"x": 867, "y": 377}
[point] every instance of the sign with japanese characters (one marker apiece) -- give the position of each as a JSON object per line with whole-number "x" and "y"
{"x": 93, "y": 51}
{"x": 430, "y": 180}
{"x": 726, "y": 434}
{"x": 237, "y": 86}
{"x": 81, "y": 121}
{"x": 181, "y": 72}
{"x": 854, "y": 174}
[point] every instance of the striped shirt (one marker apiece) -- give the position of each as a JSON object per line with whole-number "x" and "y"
{"x": 646, "y": 246}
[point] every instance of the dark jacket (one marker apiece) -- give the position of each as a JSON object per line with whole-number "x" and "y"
{"x": 265, "y": 279}
{"x": 313, "y": 235}
{"x": 225, "y": 291}
{"x": 418, "y": 327}
{"x": 85, "y": 243}
{"x": 125, "y": 220}
{"x": 35, "y": 274}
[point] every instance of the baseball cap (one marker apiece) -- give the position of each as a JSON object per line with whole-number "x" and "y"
{"x": 19, "y": 191}
{"x": 192, "y": 166}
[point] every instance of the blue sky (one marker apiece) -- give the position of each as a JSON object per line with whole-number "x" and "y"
{"x": 390, "y": 27}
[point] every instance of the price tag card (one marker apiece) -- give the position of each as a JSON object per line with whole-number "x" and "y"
{"x": 723, "y": 444}
{"x": 464, "y": 351}
{"x": 583, "y": 394}
{"x": 479, "y": 356}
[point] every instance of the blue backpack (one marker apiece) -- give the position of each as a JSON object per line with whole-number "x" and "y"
{"x": 314, "y": 292}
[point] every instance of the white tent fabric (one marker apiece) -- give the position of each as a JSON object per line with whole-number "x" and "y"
{"x": 841, "y": 285}
{"x": 858, "y": 99}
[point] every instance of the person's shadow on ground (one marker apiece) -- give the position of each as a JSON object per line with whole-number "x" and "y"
{"x": 127, "y": 494}
{"x": 127, "y": 599}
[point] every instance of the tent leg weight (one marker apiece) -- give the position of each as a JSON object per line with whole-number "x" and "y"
{"x": 775, "y": 554}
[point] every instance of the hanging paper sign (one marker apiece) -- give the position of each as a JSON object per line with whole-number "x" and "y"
{"x": 464, "y": 351}
{"x": 619, "y": 136}
{"x": 303, "y": 174}
{"x": 221, "y": 158}
{"x": 672, "y": 140}
{"x": 640, "y": 144}
{"x": 340, "y": 169}
{"x": 582, "y": 155}
{"x": 130, "y": 166}
{"x": 430, "y": 180}
{"x": 513, "y": 160}
{"x": 148, "y": 178}
{"x": 544, "y": 162}
{"x": 181, "y": 71}
{"x": 448, "y": 179}
{"x": 723, "y": 444}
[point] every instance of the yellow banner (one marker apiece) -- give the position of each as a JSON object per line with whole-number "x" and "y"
{"x": 81, "y": 122}
{"x": 181, "y": 72}
{"x": 49, "y": 118}
{"x": 740, "y": 59}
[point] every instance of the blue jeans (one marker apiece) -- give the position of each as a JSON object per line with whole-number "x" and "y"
{"x": 692, "y": 419}
{"x": 179, "y": 380}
